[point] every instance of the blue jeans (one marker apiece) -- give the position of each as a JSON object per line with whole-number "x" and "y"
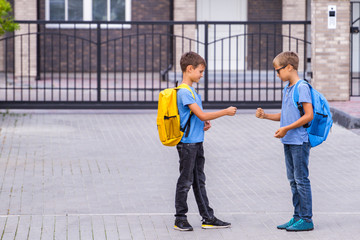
{"x": 297, "y": 161}
{"x": 192, "y": 163}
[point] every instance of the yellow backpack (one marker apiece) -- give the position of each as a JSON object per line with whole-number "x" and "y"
{"x": 168, "y": 118}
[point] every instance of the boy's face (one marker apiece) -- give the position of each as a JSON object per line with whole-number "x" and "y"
{"x": 197, "y": 73}
{"x": 282, "y": 72}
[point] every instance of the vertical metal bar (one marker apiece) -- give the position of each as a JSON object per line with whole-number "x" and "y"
{"x": 237, "y": 69}
{"x": 130, "y": 63}
{"x": 67, "y": 68}
{"x": 52, "y": 68}
{"x": 21, "y": 75}
{"x": 305, "y": 49}
{"x": 214, "y": 41}
{"x": 137, "y": 62}
{"x": 160, "y": 63}
{"x": 267, "y": 67}
{"x": 152, "y": 61}
{"x": 351, "y": 48}
{"x": 29, "y": 54}
{"x": 259, "y": 91}
{"x": 90, "y": 58}
{"x": 245, "y": 59}
{"x": 60, "y": 60}
{"x": 222, "y": 69}
{"x": 115, "y": 70}
{"x": 289, "y": 37}
{"x": 252, "y": 67}
{"x": 38, "y": 52}
{"x": 107, "y": 62}
{"x": 75, "y": 63}
{"x": 229, "y": 62}
{"x": 122, "y": 63}
{"x": 98, "y": 62}
{"x": 82, "y": 70}
{"x": 206, "y": 46}
{"x": 6, "y": 69}
{"x": 274, "y": 75}
{"x": 145, "y": 61}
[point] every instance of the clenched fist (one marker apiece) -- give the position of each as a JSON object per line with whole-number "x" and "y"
{"x": 231, "y": 111}
{"x": 260, "y": 113}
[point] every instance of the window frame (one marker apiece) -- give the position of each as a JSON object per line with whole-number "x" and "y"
{"x": 87, "y": 16}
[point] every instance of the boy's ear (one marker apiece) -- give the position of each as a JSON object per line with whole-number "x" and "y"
{"x": 189, "y": 68}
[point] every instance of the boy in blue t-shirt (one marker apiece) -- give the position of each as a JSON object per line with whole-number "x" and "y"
{"x": 295, "y": 139}
{"x": 190, "y": 148}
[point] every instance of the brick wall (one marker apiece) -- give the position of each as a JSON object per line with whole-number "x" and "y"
{"x": 331, "y": 50}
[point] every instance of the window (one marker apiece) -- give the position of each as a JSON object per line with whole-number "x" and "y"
{"x": 88, "y": 10}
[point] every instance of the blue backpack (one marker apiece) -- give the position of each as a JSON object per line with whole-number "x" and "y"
{"x": 318, "y": 129}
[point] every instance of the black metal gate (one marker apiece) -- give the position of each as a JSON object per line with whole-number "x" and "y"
{"x": 126, "y": 64}
{"x": 355, "y": 50}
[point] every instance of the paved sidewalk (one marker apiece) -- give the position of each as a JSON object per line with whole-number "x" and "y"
{"x": 105, "y": 175}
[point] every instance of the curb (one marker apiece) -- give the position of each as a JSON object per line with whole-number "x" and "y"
{"x": 344, "y": 119}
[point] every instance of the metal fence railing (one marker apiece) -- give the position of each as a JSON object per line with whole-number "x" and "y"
{"x": 126, "y": 64}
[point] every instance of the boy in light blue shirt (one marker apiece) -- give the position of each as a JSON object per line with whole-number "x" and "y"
{"x": 190, "y": 148}
{"x": 295, "y": 139}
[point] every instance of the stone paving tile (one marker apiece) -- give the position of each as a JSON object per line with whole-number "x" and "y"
{"x": 106, "y": 176}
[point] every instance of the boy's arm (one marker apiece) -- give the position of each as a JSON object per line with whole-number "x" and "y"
{"x": 307, "y": 117}
{"x": 206, "y": 116}
{"x": 261, "y": 114}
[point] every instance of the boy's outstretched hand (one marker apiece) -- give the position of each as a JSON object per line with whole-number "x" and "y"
{"x": 231, "y": 111}
{"x": 207, "y": 125}
{"x": 260, "y": 113}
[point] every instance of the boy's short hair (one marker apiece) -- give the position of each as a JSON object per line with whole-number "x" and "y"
{"x": 191, "y": 58}
{"x": 286, "y": 58}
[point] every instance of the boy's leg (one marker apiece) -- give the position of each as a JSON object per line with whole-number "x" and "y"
{"x": 187, "y": 155}
{"x": 199, "y": 186}
{"x": 301, "y": 173}
{"x": 291, "y": 177}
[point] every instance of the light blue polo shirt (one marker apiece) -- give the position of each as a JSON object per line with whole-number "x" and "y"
{"x": 184, "y": 98}
{"x": 290, "y": 114}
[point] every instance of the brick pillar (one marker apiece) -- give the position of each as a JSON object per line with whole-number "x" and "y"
{"x": 25, "y": 46}
{"x": 184, "y": 10}
{"x": 294, "y": 11}
{"x": 331, "y": 49}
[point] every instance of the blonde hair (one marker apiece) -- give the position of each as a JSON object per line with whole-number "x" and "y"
{"x": 286, "y": 58}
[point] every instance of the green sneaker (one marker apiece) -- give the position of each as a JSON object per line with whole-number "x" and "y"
{"x": 301, "y": 225}
{"x": 288, "y": 224}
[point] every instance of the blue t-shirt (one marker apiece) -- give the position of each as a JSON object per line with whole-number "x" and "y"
{"x": 290, "y": 114}
{"x": 184, "y": 98}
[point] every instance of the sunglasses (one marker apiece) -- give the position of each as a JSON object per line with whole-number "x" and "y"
{"x": 278, "y": 70}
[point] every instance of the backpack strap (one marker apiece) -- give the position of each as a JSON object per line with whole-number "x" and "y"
{"x": 183, "y": 85}
{"x": 187, "y": 125}
{"x": 297, "y": 104}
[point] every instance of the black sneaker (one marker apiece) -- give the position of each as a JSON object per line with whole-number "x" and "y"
{"x": 182, "y": 225}
{"x": 214, "y": 223}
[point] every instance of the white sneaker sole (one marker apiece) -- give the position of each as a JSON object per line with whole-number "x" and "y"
{"x": 181, "y": 229}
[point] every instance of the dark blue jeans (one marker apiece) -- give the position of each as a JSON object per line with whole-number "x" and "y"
{"x": 192, "y": 163}
{"x": 297, "y": 162}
